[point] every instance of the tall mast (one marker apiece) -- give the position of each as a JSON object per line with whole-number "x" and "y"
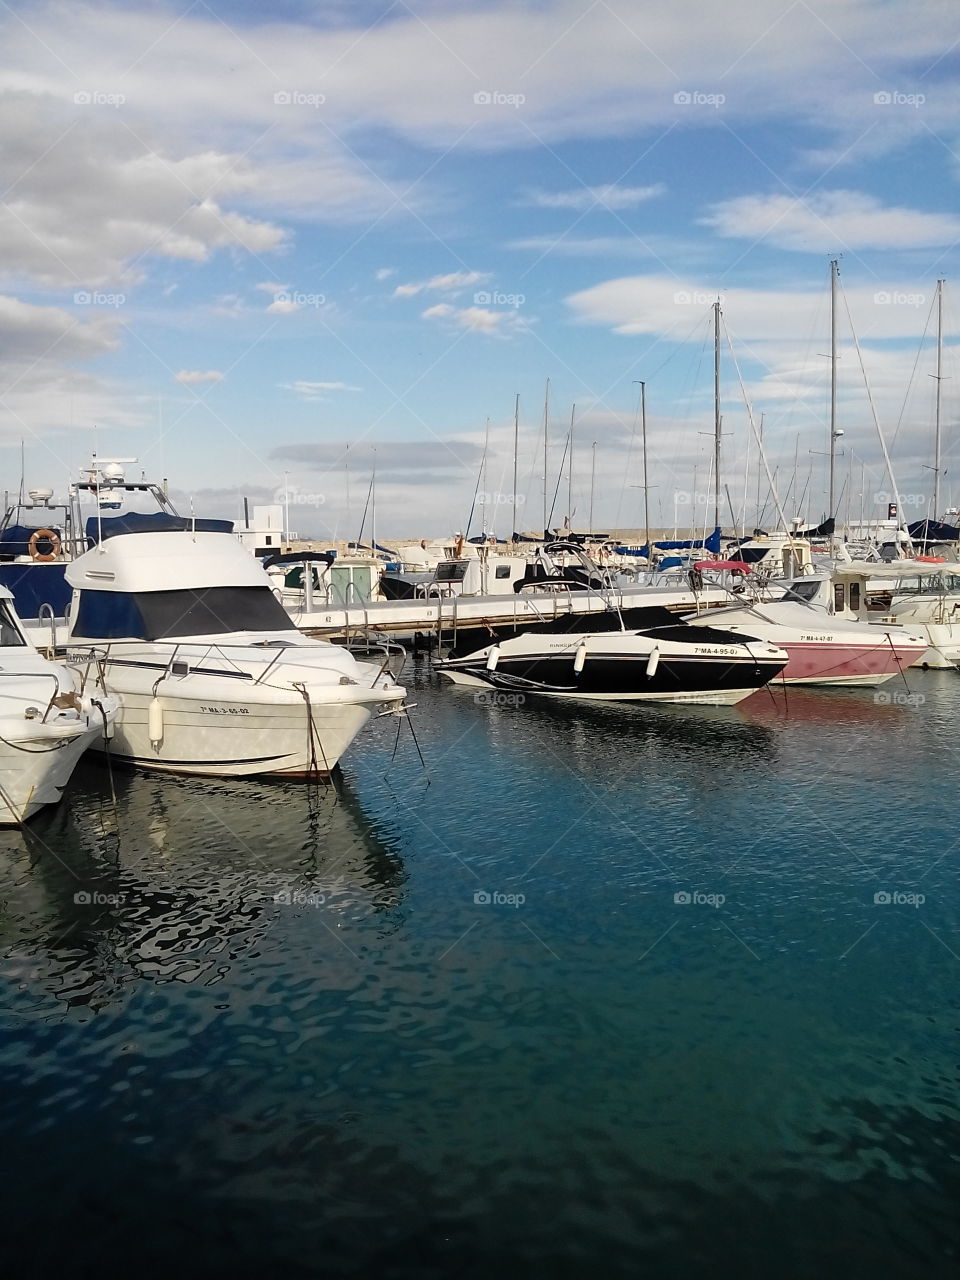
{"x": 936, "y": 447}
{"x": 716, "y": 414}
{"x": 573, "y": 412}
{"x": 593, "y": 476}
{"x": 516, "y": 448}
{"x": 646, "y": 487}
{"x": 834, "y": 271}
{"x": 546, "y": 414}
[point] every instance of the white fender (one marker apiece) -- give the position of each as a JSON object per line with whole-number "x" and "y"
{"x": 653, "y": 662}
{"x": 493, "y": 657}
{"x": 580, "y": 659}
{"x": 155, "y": 723}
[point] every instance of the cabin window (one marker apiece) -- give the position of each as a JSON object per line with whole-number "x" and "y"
{"x": 451, "y": 571}
{"x": 855, "y": 596}
{"x": 838, "y": 597}
{"x": 503, "y": 571}
{"x": 10, "y": 637}
{"x": 161, "y": 615}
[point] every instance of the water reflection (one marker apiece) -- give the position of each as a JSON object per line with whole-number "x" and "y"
{"x": 180, "y": 877}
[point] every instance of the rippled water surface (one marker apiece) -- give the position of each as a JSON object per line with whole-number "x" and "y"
{"x": 607, "y": 991}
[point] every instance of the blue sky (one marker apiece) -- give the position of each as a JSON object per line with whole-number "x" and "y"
{"x": 264, "y": 246}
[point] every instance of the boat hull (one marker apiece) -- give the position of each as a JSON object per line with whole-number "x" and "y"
{"x": 623, "y": 678}
{"x": 843, "y": 663}
{"x": 240, "y": 738}
{"x": 35, "y": 769}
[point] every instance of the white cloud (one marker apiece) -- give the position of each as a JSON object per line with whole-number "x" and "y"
{"x": 583, "y": 199}
{"x": 88, "y": 204}
{"x": 477, "y": 319}
{"x": 272, "y": 288}
{"x": 43, "y": 392}
{"x": 283, "y": 307}
{"x": 449, "y": 283}
{"x": 191, "y": 377}
{"x": 669, "y": 307}
{"x": 311, "y": 390}
{"x": 830, "y": 221}
{"x": 385, "y": 273}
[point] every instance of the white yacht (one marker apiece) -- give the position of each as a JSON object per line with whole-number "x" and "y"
{"x": 48, "y": 718}
{"x": 211, "y": 673}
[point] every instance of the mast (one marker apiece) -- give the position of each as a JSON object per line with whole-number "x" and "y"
{"x": 483, "y": 474}
{"x": 573, "y": 412}
{"x": 939, "y": 376}
{"x": 716, "y": 414}
{"x": 646, "y": 487}
{"x": 516, "y": 448}
{"x": 593, "y": 476}
{"x": 546, "y": 413}
{"x": 834, "y": 272}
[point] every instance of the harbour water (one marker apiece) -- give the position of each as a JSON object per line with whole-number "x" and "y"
{"x": 606, "y": 990}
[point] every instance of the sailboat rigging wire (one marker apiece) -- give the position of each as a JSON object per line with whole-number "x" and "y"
{"x": 556, "y": 492}
{"x": 913, "y": 371}
{"x": 873, "y": 410}
{"x": 753, "y": 428}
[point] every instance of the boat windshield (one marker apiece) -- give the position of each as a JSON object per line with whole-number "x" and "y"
{"x": 162, "y": 615}
{"x": 936, "y": 584}
{"x": 10, "y": 634}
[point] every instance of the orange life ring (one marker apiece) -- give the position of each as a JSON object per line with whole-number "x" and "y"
{"x": 48, "y": 535}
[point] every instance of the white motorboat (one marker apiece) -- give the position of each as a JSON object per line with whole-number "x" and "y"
{"x": 212, "y": 676}
{"x": 47, "y": 721}
{"x": 920, "y": 596}
{"x": 643, "y": 654}
{"x": 823, "y": 649}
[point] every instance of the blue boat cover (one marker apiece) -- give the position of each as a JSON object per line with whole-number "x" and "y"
{"x": 158, "y": 522}
{"x": 34, "y": 585}
{"x": 711, "y": 544}
{"x": 15, "y": 537}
